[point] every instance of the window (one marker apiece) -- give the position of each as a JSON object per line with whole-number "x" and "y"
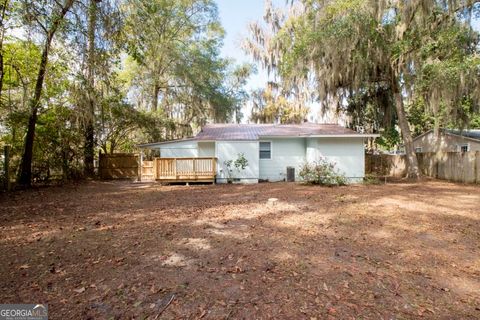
{"x": 464, "y": 148}
{"x": 265, "y": 150}
{"x": 418, "y": 149}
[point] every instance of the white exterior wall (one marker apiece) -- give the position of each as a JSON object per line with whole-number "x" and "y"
{"x": 181, "y": 149}
{"x": 285, "y": 153}
{"x": 229, "y": 150}
{"x": 348, "y": 154}
{"x": 206, "y": 149}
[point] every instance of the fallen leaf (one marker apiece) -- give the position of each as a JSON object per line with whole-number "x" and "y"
{"x": 79, "y": 290}
{"x": 332, "y": 311}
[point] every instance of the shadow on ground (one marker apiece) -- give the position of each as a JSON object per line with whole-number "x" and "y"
{"x": 123, "y": 250}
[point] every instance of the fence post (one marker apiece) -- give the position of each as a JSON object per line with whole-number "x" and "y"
{"x": 6, "y": 165}
{"x": 100, "y": 164}
{"x": 155, "y": 168}
{"x": 140, "y": 167}
{"x": 476, "y": 168}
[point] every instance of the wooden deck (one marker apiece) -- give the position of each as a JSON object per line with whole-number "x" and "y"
{"x": 180, "y": 169}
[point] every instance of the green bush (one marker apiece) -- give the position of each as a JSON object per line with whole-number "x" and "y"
{"x": 371, "y": 179}
{"x": 322, "y": 172}
{"x": 240, "y": 164}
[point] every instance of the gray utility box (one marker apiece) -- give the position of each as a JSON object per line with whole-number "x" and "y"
{"x": 290, "y": 174}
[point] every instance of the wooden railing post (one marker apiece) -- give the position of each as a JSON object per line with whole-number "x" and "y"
{"x": 188, "y": 169}
{"x": 175, "y": 161}
{"x": 195, "y": 174}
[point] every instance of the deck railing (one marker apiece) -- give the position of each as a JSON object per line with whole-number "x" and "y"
{"x": 185, "y": 169}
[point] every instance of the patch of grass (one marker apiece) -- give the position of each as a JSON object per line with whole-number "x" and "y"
{"x": 370, "y": 179}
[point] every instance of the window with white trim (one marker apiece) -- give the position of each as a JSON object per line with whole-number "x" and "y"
{"x": 265, "y": 150}
{"x": 418, "y": 149}
{"x": 464, "y": 148}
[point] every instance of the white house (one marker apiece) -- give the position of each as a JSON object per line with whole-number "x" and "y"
{"x": 271, "y": 148}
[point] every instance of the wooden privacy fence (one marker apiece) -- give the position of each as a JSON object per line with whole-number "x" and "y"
{"x": 453, "y": 166}
{"x": 148, "y": 171}
{"x": 118, "y": 166}
{"x": 180, "y": 169}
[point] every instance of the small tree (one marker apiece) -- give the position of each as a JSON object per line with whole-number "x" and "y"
{"x": 52, "y": 19}
{"x": 238, "y": 165}
{"x": 322, "y": 172}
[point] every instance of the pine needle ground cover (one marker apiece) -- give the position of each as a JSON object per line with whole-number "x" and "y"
{"x": 118, "y": 250}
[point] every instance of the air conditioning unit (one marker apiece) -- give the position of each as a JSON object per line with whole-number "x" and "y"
{"x": 290, "y": 174}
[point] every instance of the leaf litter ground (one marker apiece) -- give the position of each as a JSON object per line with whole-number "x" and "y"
{"x": 120, "y": 250}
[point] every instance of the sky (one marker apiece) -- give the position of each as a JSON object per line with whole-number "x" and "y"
{"x": 476, "y": 24}
{"x": 235, "y": 16}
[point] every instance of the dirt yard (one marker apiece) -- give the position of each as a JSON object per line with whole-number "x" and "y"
{"x": 118, "y": 250}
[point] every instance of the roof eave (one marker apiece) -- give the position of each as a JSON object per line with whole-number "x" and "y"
{"x": 463, "y": 137}
{"x": 145, "y": 145}
{"x": 444, "y": 131}
{"x": 354, "y": 135}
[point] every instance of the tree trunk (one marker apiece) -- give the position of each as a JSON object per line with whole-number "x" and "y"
{"x": 412, "y": 163}
{"x": 156, "y": 91}
{"x": 65, "y": 166}
{"x": 113, "y": 145}
{"x": 2, "y": 36}
{"x": 89, "y": 149}
{"x": 1, "y": 70}
{"x": 25, "y": 173}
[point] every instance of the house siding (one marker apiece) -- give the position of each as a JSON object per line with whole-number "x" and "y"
{"x": 206, "y": 149}
{"x": 348, "y": 154}
{"x": 285, "y": 153}
{"x": 448, "y": 143}
{"x": 183, "y": 149}
{"x": 229, "y": 150}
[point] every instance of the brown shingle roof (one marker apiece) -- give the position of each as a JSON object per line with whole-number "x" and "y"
{"x": 256, "y": 131}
